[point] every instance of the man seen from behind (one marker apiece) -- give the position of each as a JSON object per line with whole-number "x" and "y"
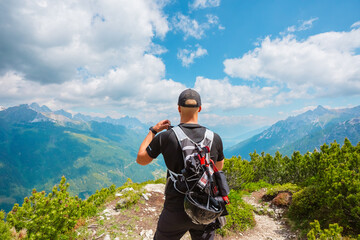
{"x": 174, "y": 222}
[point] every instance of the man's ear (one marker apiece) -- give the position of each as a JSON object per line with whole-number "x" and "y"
{"x": 179, "y": 109}
{"x": 199, "y": 109}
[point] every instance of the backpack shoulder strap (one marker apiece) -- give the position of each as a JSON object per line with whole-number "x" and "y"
{"x": 187, "y": 144}
{"x": 180, "y": 135}
{"x": 208, "y": 138}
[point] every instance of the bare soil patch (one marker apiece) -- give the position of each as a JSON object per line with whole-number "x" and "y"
{"x": 269, "y": 220}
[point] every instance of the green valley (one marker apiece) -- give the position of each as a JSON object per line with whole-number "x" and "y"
{"x": 91, "y": 155}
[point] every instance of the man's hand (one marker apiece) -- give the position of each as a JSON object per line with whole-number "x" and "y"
{"x": 143, "y": 157}
{"x": 164, "y": 124}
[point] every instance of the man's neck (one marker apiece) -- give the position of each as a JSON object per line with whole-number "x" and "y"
{"x": 189, "y": 123}
{"x": 190, "y": 120}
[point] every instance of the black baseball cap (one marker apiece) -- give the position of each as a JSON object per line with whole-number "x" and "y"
{"x": 189, "y": 94}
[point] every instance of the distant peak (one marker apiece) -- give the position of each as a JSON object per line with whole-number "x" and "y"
{"x": 22, "y": 106}
{"x": 64, "y": 113}
{"x": 36, "y": 107}
{"x": 320, "y": 108}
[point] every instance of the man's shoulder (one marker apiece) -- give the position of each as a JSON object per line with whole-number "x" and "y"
{"x": 164, "y": 135}
{"x": 216, "y": 135}
{"x": 216, "y": 139}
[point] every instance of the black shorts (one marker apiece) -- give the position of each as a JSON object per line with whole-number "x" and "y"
{"x": 172, "y": 225}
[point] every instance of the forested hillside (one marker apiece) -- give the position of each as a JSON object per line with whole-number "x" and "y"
{"x": 35, "y": 151}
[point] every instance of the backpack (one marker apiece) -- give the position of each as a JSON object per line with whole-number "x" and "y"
{"x": 205, "y": 188}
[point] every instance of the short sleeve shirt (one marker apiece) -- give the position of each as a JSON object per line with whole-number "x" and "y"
{"x": 167, "y": 144}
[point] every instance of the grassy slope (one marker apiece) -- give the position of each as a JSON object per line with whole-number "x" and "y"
{"x": 38, "y": 154}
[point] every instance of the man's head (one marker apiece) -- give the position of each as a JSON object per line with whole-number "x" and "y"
{"x": 189, "y": 105}
{"x": 189, "y": 98}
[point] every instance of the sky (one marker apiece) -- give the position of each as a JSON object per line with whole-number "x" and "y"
{"x": 253, "y": 62}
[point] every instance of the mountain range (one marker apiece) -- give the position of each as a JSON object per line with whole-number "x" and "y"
{"x": 63, "y": 116}
{"x": 304, "y": 132}
{"x": 38, "y": 146}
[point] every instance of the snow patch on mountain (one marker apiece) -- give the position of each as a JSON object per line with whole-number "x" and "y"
{"x": 60, "y": 119}
{"x": 354, "y": 121}
{"x": 40, "y": 118}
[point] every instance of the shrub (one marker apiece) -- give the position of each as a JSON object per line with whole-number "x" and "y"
{"x": 277, "y": 188}
{"x": 240, "y": 215}
{"x": 255, "y": 186}
{"x": 268, "y": 168}
{"x": 304, "y": 205}
{"x": 330, "y": 182}
{"x": 46, "y": 217}
{"x": 129, "y": 197}
{"x": 334, "y": 232}
{"x": 238, "y": 172}
{"x": 90, "y": 206}
{"x": 159, "y": 180}
{"x": 55, "y": 215}
{"x": 333, "y": 195}
{"x": 4, "y": 227}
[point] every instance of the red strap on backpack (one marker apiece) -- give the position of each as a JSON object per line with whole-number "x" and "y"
{"x": 225, "y": 198}
{"x": 202, "y": 159}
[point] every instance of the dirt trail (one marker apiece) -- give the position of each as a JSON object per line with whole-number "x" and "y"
{"x": 140, "y": 221}
{"x": 266, "y": 227}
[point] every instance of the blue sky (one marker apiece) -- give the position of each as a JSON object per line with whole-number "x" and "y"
{"x": 254, "y": 62}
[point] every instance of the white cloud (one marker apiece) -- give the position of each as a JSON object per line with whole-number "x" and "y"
{"x": 356, "y": 25}
{"x": 221, "y": 94}
{"x": 131, "y": 90}
{"x": 325, "y": 64}
{"x": 156, "y": 49}
{"x": 212, "y": 19}
{"x": 304, "y": 25}
{"x": 191, "y": 28}
{"x": 307, "y": 24}
{"x": 187, "y": 56}
{"x": 204, "y": 4}
{"x": 112, "y": 95}
{"x": 48, "y": 41}
{"x": 303, "y": 110}
{"x": 217, "y": 120}
{"x": 95, "y": 55}
{"x": 221, "y": 27}
{"x": 291, "y": 28}
{"x": 312, "y": 107}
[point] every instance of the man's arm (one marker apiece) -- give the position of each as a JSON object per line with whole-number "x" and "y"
{"x": 219, "y": 164}
{"x": 143, "y": 157}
